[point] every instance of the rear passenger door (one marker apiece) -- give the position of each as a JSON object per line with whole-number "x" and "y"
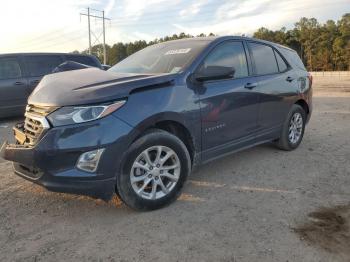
{"x": 13, "y": 87}
{"x": 276, "y": 86}
{"x": 38, "y": 66}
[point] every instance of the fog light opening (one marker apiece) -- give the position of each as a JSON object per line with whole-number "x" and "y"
{"x": 88, "y": 161}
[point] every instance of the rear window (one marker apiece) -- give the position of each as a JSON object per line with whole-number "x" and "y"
{"x": 9, "y": 68}
{"x": 41, "y": 65}
{"x": 264, "y": 59}
{"x": 293, "y": 58}
{"x": 86, "y": 60}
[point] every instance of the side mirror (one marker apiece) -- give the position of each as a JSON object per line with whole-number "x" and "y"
{"x": 106, "y": 67}
{"x": 214, "y": 73}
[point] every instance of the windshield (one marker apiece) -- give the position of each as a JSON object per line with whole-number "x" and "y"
{"x": 169, "y": 57}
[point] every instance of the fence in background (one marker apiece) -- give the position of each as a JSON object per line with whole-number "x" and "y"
{"x": 331, "y": 73}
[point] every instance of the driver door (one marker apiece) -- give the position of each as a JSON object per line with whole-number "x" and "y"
{"x": 229, "y": 107}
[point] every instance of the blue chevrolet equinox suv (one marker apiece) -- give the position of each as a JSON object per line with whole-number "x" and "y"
{"x": 139, "y": 128}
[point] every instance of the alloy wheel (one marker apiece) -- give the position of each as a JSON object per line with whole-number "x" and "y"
{"x": 155, "y": 172}
{"x": 295, "y": 128}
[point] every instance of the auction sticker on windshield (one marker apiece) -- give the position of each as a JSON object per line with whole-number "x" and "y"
{"x": 178, "y": 51}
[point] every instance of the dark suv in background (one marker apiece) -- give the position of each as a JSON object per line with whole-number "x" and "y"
{"x": 139, "y": 128}
{"x": 20, "y": 74}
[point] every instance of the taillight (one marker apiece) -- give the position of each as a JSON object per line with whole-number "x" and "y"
{"x": 310, "y": 79}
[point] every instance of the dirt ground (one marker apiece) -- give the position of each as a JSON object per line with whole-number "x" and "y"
{"x": 261, "y": 204}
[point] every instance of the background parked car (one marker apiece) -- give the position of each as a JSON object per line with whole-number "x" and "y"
{"x": 20, "y": 74}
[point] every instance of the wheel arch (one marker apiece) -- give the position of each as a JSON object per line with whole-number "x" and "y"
{"x": 174, "y": 124}
{"x": 304, "y": 105}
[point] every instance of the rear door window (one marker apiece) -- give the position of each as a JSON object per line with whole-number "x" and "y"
{"x": 9, "y": 68}
{"x": 229, "y": 54}
{"x": 264, "y": 59}
{"x": 282, "y": 66}
{"x": 42, "y": 64}
{"x": 86, "y": 60}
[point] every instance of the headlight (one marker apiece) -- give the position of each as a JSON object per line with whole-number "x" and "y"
{"x": 79, "y": 114}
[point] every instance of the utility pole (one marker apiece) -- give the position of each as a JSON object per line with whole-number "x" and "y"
{"x": 97, "y": 39}
{"x": 104, "y": 38}
{"x": 89, "y": 30}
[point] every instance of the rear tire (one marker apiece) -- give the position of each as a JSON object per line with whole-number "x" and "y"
{"x": 293, "y": 129}
{"x": 154, "y": 171}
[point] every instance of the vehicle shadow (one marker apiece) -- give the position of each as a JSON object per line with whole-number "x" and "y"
{"x": 48, "y": 202}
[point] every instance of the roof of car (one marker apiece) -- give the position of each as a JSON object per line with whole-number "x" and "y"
{"x": 222, "y": 38}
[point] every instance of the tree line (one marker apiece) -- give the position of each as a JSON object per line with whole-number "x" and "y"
{"x": 322, "y": 47}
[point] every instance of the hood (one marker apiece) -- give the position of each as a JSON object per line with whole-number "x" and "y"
{"x": 91, "y": 85}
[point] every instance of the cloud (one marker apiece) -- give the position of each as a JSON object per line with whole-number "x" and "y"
{"x": 55, "y": 25}
{"x": 235, "y": 17}
{"x": 134, "y": 9}
{"x": 234, "y": 10}
{"x": 142, "y": 36}
{"x": 193, "y": 9}
{"x": 109, "y": 7}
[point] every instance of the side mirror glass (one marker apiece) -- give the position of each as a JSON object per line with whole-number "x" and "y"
{"x": 214, "y": 73}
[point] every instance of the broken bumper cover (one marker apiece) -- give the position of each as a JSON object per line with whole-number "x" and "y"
{"x": 52, "y": 161}
{"x": 71, "y": 181}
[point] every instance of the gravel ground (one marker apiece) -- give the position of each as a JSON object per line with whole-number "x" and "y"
{"x": 261, "y": 204}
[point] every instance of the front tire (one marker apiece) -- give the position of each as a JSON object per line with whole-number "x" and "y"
{"x": 154, "y": 171}
{"x": 293, "y": 129}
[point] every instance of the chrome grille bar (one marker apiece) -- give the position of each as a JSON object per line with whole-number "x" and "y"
{"x": 35, "y": 122}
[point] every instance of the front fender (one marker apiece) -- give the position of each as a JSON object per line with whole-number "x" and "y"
{"x": 175, "y": 103}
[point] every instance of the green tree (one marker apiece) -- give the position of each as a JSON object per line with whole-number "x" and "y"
{"x": 341, "y": 46}
{"x": 309, "y": 30}
{"x": 117, "y": 53}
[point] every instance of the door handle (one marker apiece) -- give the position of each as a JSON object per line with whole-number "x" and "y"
{"x": 250, "y": 85}
{"x": 19, "y": 83}
{"x": 35, "y": 81}
{"x": 289, "y": 79}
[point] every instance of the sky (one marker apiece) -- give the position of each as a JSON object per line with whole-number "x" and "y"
{"x": 57, "y": 26}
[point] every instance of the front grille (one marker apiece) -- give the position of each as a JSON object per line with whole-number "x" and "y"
{"x": 33, "y": 129}
{"x": 39, "y": 110}
{"x": 35, "y": 122}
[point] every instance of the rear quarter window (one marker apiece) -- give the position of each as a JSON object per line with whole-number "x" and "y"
{"x": 86, "y": 60}
{"x": 293, "y": 58}
{"x": 41, "y": 65}
{"x": 264, "y": 59}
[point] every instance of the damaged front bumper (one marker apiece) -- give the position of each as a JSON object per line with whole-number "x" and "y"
{"x": 51, "y": 162}
{"x": 71, "y": 181}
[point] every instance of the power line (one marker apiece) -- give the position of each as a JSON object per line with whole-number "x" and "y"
{"x": 39, "y": 37}
{"x": 51, "y": 37}
{"x": 91, "y": 32}
{"x": 57, "y": 43}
